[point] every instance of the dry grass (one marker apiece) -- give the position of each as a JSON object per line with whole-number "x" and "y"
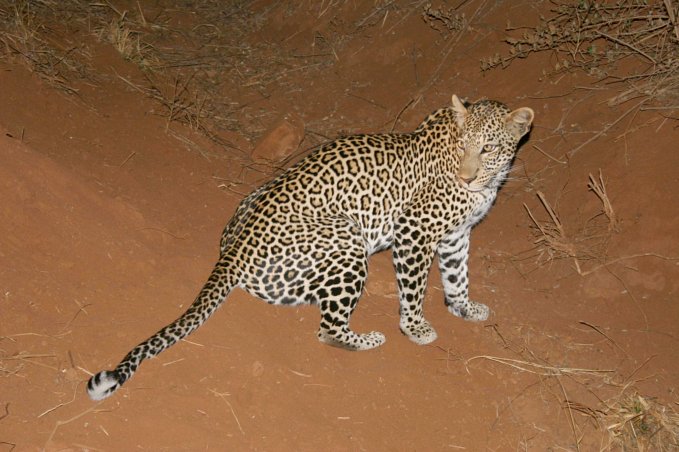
{"x": 189, "y": 71}
{"x": 588, "y": 243}
{"x": 585, "y": 243}
{"x": 633, "y": 44}
{"x": 127, "y": 42}
{"x": 24, "y": 36}
{"x": 636, "y": 423}
{"x": 444, "y": 20}
{"x": 602, "y": 406}
{"x": 598, "y": 186}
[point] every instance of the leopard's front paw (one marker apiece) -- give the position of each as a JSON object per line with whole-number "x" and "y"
{"x": 421, "y": 333}
{"x": 469, "y": 310}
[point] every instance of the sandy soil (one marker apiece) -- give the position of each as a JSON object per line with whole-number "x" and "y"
{"x": 110, "y": 219}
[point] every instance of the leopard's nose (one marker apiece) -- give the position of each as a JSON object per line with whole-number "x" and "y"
{"x": 469, "y": 179}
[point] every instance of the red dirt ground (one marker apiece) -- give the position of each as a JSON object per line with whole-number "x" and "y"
{"x": 109, "y": 225}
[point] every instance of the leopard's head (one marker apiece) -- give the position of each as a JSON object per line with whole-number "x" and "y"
{"x": 488, "y": 138}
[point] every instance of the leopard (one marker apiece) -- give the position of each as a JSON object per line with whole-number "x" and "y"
{"x": 305, "y": 237}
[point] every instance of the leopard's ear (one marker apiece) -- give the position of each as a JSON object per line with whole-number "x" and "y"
{"x": 460, "y": 109}
{"x": 518, "y": 122}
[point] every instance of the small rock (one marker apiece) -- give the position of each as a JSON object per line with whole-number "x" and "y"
{"x": 257, "y": 369}
{"x": 281, "y": 140}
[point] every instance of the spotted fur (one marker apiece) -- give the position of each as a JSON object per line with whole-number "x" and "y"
{"x": 305, "y": 237}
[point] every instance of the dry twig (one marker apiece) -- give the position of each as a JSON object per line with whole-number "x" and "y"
{"x": 599, "y": 188}
{"x": 595, "y": 36}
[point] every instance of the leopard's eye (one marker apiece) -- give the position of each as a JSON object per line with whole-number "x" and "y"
{"x": 489, "y": 148}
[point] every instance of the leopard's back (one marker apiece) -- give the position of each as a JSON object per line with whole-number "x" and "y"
{"x": 365, "y": 179}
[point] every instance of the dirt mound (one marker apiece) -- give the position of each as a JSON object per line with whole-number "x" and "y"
{"x": 51, "y": 210}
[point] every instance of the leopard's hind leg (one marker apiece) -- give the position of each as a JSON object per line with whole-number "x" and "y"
{"x": 337, "y": 297}
{"x": 336, "y": 305}
{"x": 341, "y": 276}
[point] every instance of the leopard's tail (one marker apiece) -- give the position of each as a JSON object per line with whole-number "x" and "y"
{"x": 214, "y": 292}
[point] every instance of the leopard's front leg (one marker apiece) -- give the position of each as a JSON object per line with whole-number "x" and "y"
{"x": 417, "y": 232}
{"x": 413, "y": 257}
{"x": 453, "y": 254}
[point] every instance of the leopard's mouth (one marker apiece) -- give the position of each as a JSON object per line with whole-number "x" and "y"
{"x": 471, "y": 186}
